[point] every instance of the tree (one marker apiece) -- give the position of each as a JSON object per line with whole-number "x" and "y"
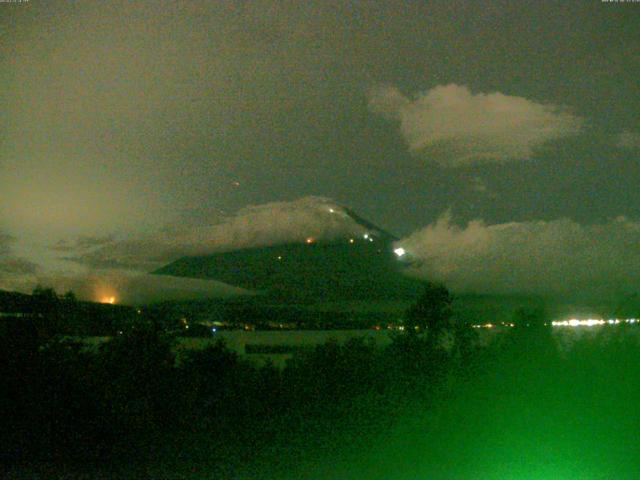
{"x": 70, "y": 296}
{"x": 44, "y": 294}
{"x": 46, "y": 304}
{"x": 432, "y": 312}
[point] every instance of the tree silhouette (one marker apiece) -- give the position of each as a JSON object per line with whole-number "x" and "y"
{"x": 46, "y": 304}
{"x": 44, "y": 294}
{"x": 432, "y": 312}
{"x": 70, "y": 296}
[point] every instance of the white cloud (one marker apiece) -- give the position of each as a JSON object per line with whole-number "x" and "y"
{"x": 253, "y": 226}
{"x": 559, "y": 256}
{"x": 108, "y": 266}
{"x": 454, "y": 127}
{"x": 628, "y": 140}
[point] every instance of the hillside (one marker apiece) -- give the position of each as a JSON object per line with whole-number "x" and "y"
{"x": 316, "y": 271}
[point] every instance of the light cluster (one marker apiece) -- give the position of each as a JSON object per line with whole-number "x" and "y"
{"x": 592, "y": 322}
{"x": 491, "y": 325}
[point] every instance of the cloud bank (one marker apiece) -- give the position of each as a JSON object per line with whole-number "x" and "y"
{"x": 454, "y": 127}
{"x": 133, "y": 288}
{"x": 253, "y": 226}
{"x": 10, "y": 264}
{"x": 544, "y": 257}
{"x": 540, "y": 257}
{"x": 98, "y": 284}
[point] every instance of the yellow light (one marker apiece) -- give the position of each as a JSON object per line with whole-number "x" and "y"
{"x": 351, "y": 240}
{"x": 310, "y": 240}
{"x": 109, "y": 300}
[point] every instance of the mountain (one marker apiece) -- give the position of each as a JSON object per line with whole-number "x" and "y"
{"x": 356, "y": 266}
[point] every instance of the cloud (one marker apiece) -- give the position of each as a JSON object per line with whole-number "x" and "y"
{"x": 543, "y": 257}
{"x": 130, "y": 288}
{"x": 454, "y": 127}
{"x": 82, "y": 243}
{"x": 628, "y": 140}
{"x": 253, "y": 226}
{"x": 12, "y": 267}
{"x": 17, "y": 266}
{"x": 559, "y": 256}
{"x": 101, "y": 281}
{"x": 5, "y": 244}
{"x": 116, "y": 266}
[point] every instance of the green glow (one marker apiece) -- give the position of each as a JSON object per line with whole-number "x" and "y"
{"x": 535, "y": 414}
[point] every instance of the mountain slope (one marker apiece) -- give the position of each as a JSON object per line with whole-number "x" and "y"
{"x": 358, "y": 266}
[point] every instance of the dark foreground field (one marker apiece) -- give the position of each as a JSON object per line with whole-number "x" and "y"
{"x": 534, "y": 405}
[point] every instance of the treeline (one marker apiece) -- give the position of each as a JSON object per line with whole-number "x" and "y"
{"x": 48, "y": 314}
{"x": 138, "y": 400}
{"x": 133, "y": 398}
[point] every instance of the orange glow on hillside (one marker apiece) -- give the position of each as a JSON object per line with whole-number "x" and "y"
{"x": 110, "y": 300}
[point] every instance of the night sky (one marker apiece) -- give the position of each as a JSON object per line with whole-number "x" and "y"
{"x": 500, "y": 139}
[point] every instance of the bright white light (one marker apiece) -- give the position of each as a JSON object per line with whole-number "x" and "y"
{"x": 399, "y": 251}
{"x": 366, "y": 236}
{"x": 591, "y": 322}
{"x": 331, "y": 210}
